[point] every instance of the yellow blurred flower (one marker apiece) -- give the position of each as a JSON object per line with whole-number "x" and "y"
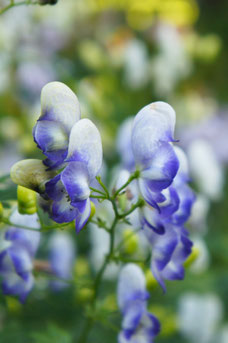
{"x": 141, "y": 14}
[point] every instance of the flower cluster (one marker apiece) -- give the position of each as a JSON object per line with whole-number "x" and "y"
{"x": 73, "y": 151}
{"x": 155, "y": 179}
{"x": 162, "y": 183}
{"x": 138, "y": 324}
{"x": 17, "y": 250}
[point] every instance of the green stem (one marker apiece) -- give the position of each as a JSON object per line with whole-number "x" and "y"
{"x": 118, "y": 259}
{"x": 98, "y": 196}
{"x": 13, "y": 4}
{"x": 135, "y": 175}
{"x": 139, "y": 203}
{"x": 114, "y": 206}
{"x": 103, "y": 186}
{"x": 97, "y": 191}
{"x": 43, "y": 229}
{"x": 123, "y": 241}
{"x": 86, "y": 330}
{"x": 90, "y": 320}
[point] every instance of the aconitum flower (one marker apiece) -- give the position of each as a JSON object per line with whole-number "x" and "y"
{"x": 138, "y": 324}
{"x": 163, "y": 183}
{"x": 70, "y": 190}
{"x": 164, "y": 229}
{"x": 155, "y": 158}
{"x": 74, "y": 156}
{"x": 60, "y": 110}
{"x": 62, "y": 258}
{"x": 169, "y": 251}
{"x": 18, "y": 248}
{"x": 185, "y": 194}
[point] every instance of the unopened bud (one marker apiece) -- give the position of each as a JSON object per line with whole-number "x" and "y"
{"x": 131, "y": 241}
{"x": 123, "y": 201}
{"x": 110, "y": 303}
{"x": 85, "y": 294}
{"x": 26, "y": 200}
{"x": 93, "y": 210}
{"x": 13, "y": 305}
{"x": 151, "y": 282}
{"x": 31, "y": 174}
{"x": 169, "y": 327}
{"x": 1, "y": 211}
{"x": 192, "y": 257}
{"x": 81, "y": 268}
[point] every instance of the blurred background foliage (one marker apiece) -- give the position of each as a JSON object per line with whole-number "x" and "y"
{"x": 118, "y": 56}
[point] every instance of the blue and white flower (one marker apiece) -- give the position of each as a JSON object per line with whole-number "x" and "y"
{"x": 169, "y": 252}
{"x": 18, "y": 249}
{"x": 185, "y": 194}
{"x": 169, "y": 240}
{"x": 163, "y": 183}
{"x": 155, "y": 158}
{"x": 70, "y": 190}
{"x": 60, "y": 110}
{"x": 138, "y": 324}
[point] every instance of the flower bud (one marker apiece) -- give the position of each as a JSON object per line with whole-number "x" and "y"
{"x": 31, "y": 174}
{"x": 81, "y": 268}
{"x": 13, "y": 305}
{"x": 93, "y": 210}
{"x": 151, "y": 282}
{"x": 130, "y": 241}
{"x": 110, "y": 303}
{"x": 123, "y": 201}
{"x": 169, "y": 327}
{"x": 85, "y": 294}
{"x": 1, "y": 211}
{"x": 193, "y": 256}
{"x": 26, "y": 200}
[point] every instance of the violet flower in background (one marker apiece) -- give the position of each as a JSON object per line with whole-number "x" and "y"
{"x": 123, "y": 144}
{"x": 138, "y": 324}
{"x": 213, "y": 130}
{"x": 17, "y": 250}
{"x": 62, "y": 254}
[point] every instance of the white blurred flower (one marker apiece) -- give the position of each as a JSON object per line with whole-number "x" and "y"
{"x": 199, "y": 316}
{"x": 100, "y": 242}
{"x": 205, "y": 169}
{"x": 203, "y": 260}
{"x": 200, "y": 209}
{"x": 136, "y": 64}
{"x": 223, "y": 335}
{"x": 172, "y": 63}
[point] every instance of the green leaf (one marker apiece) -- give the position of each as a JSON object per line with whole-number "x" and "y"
{"x": 52, "y": 334}
{"x": 8, "y": 192}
